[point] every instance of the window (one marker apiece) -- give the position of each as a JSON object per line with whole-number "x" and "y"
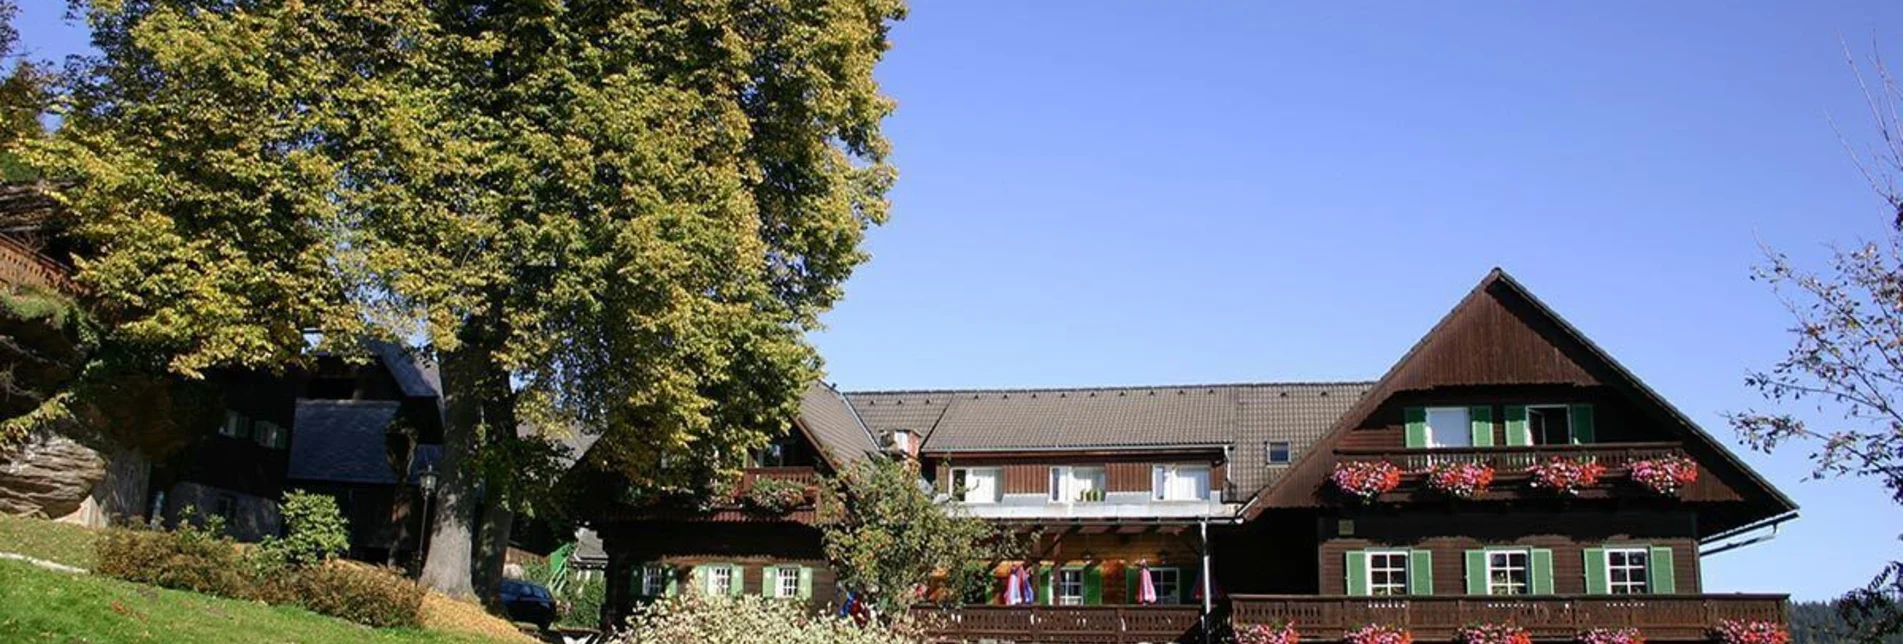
{"x": 1169, "y": 585}
{"x": 1508, "y": 572}
{"x": 1449, "y": 427}
{"x": 773, "y": 455}
{"x": 786, "y": 582}
{"x": 653, "y": 580}
{"x": 977, "y": 484}
{"x": 1280, "y": 452}
{"x": 1626, "y": 571}
{"x": 1069, "y": 587}
{"x": 1550, "y": 425}
{"x": 268, "y": 434}
{"x": 720, "y": 580}
{"x": 1076, "y": 484}
{"x": 225, "y": 507}
{"x": 1179, "y": 482}
{"x": 1387, "y": 572}
{"x": 236, "y": 425}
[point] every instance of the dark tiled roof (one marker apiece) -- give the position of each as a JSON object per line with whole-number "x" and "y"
{"x": 342, "y": 441}
{"x": 834, "y": 426}
{"x": 1244, "y": 416}
{"x": 415, "y": 374}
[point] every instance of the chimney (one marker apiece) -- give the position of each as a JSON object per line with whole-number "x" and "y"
{"x": 902, "y": 442}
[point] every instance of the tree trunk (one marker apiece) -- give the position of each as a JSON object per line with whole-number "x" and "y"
{"x": 452, "y": 536}
{"x": 492, "y": 550}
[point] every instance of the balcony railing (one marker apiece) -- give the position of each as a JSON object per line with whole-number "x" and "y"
{"x": 23, "y": 266}
{"x": 802, "y": 475}
{"x": 1547, "y": 617}
{"x": 1061, "y": 623}
{"x": 1508, "y": 460}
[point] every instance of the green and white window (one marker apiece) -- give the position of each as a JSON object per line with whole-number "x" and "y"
{"x": 721, "y": 581}
{"x": 787, "y": 582}
{"x": 1069, "y": 589}
{"x": 655, "y": 581}
{"x": 1630, "y": 569}
{"x": 1432, "y": 427}
{"x": 1510, "y": 571}
{"x": 1550, "y": 424}
{"x": 1390, "y": 572}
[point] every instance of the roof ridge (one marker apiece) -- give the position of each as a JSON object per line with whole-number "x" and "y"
{"x": 1013, "y": 390}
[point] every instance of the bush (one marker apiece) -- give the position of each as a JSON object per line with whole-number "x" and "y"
{"x": 377, "y": 597}
{"x": 195, "y": 558}
{"x": 718, "y": 620}
{"x": 314, "y": 531}
{"x": 583, "y": 597}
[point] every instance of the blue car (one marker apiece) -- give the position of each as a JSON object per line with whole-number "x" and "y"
{"x": 528, "y": 602}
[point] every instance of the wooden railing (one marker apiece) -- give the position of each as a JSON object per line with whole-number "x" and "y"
{"x": 1507, "y": 460}
{"x": 1547, "y": 617}
{"x": 21, "y": 265}
{"x": 1109, "y": 624}
{"x": 801, "y": 475}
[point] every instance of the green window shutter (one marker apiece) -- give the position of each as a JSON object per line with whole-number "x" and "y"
{"x": 806, "y": 582}
{"x": 1416, "y": 426}
{"x": 1356, "y": 578}
{"x": 1093, "y": 586}
{"x": 1482, "y": 420}
{"x": 1583, "y": 433}
{"x": 1420, "y": 572}
{"x": 1476, "y": 572}
{"x": 1132, "y": 585}
{"x": 1661, "y": 577}
{"x": 1045, "y": 590}
{"x": 1542, "y": 572}
{"x": 700, "y": 579}
{"x": 634, "y": 581}
{"x": 1517, "y": 431}
{"x": 1596, "y": 583}
{"x": 673, "y": 587}
{"x": 1186, "y": 593}
{"x": 739, "y": 585}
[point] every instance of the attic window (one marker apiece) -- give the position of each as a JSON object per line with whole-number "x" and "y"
{"x": 1279, "y": 452}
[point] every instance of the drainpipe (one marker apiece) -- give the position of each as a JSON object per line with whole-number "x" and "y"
{"x": 1208, "y": 596}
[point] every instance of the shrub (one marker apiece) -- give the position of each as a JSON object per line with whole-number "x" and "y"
{"x": 197, "y": 558}
{"x": 1492, "y": 634}
{"x": 1611, "y": 636}
{"x": 718, "y": 620}
{"x": 1278, "y": 633}
{"x": 1366, "y": 480}
{"x": 314, "y": 531}
{"x": 377, "y": 597}
{"x": 1379, "y": 634}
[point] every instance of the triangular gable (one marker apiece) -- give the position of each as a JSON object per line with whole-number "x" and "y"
{"x": 1500, "y": 334}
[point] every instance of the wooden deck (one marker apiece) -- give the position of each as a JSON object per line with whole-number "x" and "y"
{"x": 1107, "y": 624}
{"x": 23, "y": 266}
{"x": 1674, "y": 618}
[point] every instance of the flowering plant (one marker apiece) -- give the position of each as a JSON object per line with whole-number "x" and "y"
{"x": 1566, "y": 476}
{"x": 1666, "y": 474}
{"x": 1278, "y": 633}
{"x": 775, "y": 495}
{"x": 1492, "y": 634}
{"x": 1366, "y": 479}
{"x": 1460, "y": 480}
{"x": 1735, "y": 631}
{"x": 1379, "y": 634}
{"x": 1611, "y": 636}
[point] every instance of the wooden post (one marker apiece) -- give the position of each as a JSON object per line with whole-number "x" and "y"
{"x": 615, "y": 606}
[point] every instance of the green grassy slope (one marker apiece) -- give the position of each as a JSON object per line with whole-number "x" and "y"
{"x": 38, "y": 605}
{"x": 56, "y": 542}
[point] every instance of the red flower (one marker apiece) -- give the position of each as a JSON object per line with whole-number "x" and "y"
{"x": 1566, "y": 476}
{"x": 1366, "y": 479}
{"x": 1492, "y": 634}
{"x": 1379, "y": 634}
{"x": 1460, "y": 480}
{"x": 1611, "y": 636}
{"x": 1666, "y": 474}
{"x": 1279, "y": 633}
{"x": 1734, "y": 631}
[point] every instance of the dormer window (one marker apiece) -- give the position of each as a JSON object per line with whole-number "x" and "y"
{"x": 1449, "y": 427}
{"x": 1550, "y": 424}
{"x": 977, "y": 484}
{"x": 1179, "y": 482}
{"x": 1071, "y": 484}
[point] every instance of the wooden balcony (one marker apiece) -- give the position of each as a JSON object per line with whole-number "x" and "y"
{"x": 1676, "y": 618}
{"x": 1108, "y": 624}
{"x": 1512, "y": 460}
{"x": 805, "y": 476}
{"x": 21, "y": 265}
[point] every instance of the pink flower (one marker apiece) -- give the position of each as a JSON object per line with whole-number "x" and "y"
{"x": 1279, "y": 633}
{"x": 1566, "y": 476}
{"x": 1460, "y": 480}
{"x": 1666, "y": 474}
{"x": 1735, "y": 631}
{"x": 1366, "y": 479}
{"x": 1611, "y": 636}
{"x": 1492, "y": 634}
{"x": 1379, "y": 634}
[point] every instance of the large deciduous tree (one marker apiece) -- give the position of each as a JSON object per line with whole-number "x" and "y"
{"x": 893, "y": 540}
{"x": 617, "y": 215}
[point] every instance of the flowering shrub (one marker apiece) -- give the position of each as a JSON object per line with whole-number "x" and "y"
{"x": 1611, "y": 636}
{"x": 1379, "y": 634}
{"x": 1735, "y": 631}
{"x": 1366, "y": 479}
{"x": 716, "y": 620}
{"x": 775, "y": 495}
{"x": 1492, "y": 634}
{"x": 1666, "y": 474}
{"x": 1278, "y": 633}
{"x": 1460, "y": 480}
{"x": 1566, "y": 476}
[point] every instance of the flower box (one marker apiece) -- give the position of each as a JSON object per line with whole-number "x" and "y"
{"x": 1366, "y": 480}
{"x": 1566, "y": 476}
{"x": 1492, "y": 634}
{"x": 1459, "y": 480}
{"x": 1611, "y": 636}
{"x": 1379, "y": 634}
{"x": 1666, "y": 474}
{"x": 1278, "y": 633}
{"x": 1735, "y": 631}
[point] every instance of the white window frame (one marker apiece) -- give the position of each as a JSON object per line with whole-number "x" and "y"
{"x": 653, "y": 580}
{"x": 268, "y": 434}
{"x": 1389, "y": 588}
{"x": 1060, "y": 586}
{"x": 1525, "y": 568}
{"x": 1161, "y": 476}
{"x": 1533, "y": 436}
{"x": 997, "y": 478}
{"x": 1174, "y": 583}
{"x": 1065, "y": 482}
{"x": 236, "y": 425}
{"x": 720, "y": 581}
{"x": 1463, "y": 430}
{"x": 1288, "y": 453}
{"x": 781, "y": 578}
{"x": 1639, "y": 585}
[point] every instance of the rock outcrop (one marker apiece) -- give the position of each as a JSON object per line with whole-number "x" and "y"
{"x": 48, "y": 476}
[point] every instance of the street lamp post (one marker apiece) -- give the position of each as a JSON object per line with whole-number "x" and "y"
{"x": 426, "y": 480}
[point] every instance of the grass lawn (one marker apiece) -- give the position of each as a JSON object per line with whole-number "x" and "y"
{"x": 57, "y": 542}
{"x": 39, "y": 605}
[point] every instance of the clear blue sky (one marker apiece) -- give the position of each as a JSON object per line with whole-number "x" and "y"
{"x": 1127, "y": 193}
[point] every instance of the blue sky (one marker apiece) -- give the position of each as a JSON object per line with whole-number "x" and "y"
{"x": 1098, "y": 193}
